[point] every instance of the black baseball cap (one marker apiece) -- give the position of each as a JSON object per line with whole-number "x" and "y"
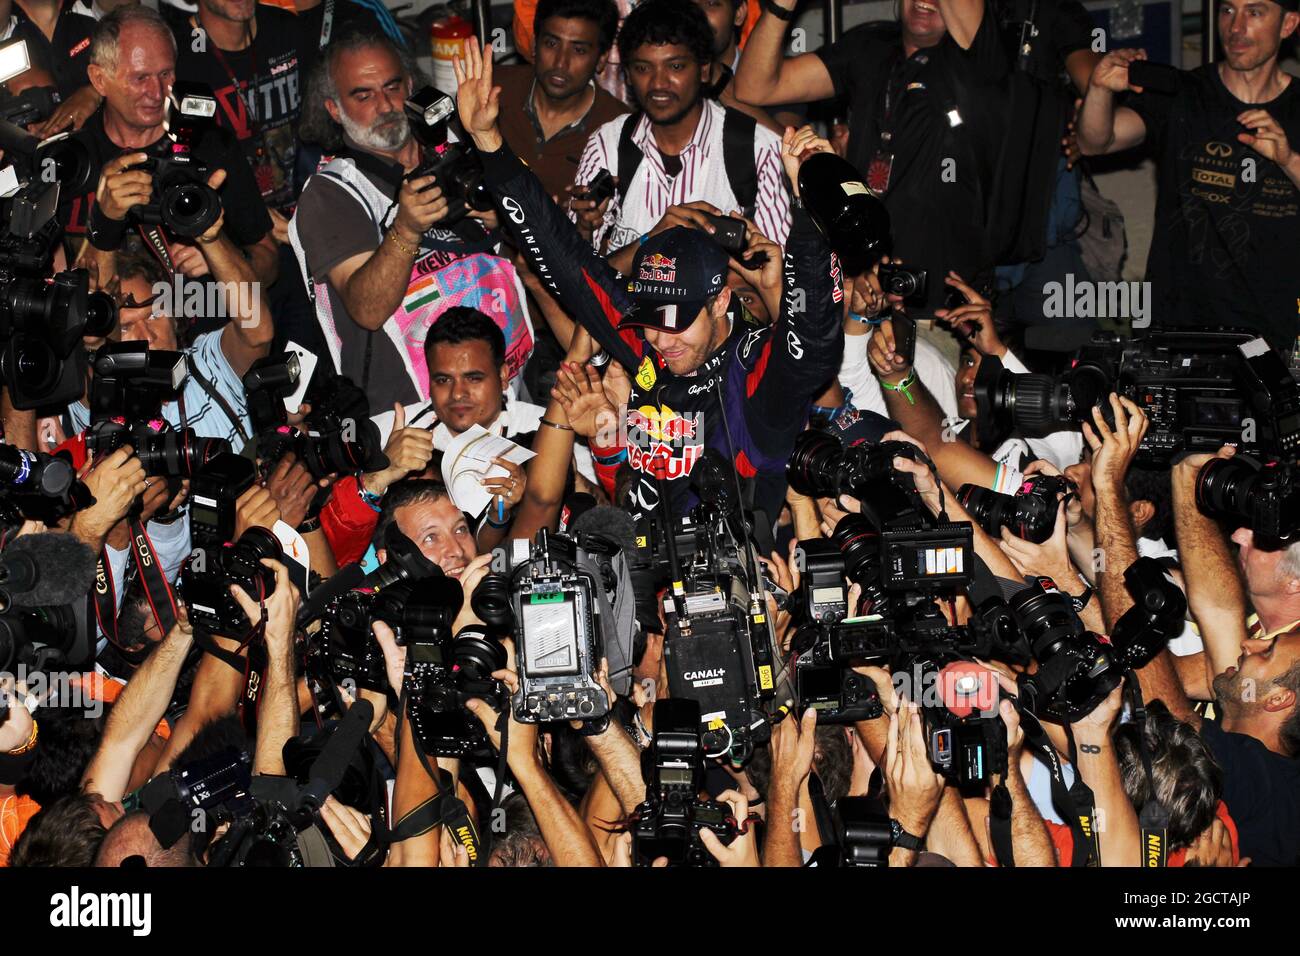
{"x": 673, "y": 276}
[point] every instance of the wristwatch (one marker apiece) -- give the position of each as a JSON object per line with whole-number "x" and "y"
{"x": 900, "y": 837}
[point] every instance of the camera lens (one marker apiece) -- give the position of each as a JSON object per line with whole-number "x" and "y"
{"x": 477, "y": 657}
{"x": 1046, "y": 618}
{"x": 859, "y": 542}
{"x": 990, "y": 509}
{"x": 31, "y": 365}
{"x": 101, "y": 315}
{"x": 814, "y": 464}
{"x": 1224, "y": 487}
{"x": 491, "y": 601}
{"x": 188, "y": 208}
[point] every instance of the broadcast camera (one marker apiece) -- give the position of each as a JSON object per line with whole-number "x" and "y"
{"x": 39, "y": 487}
{"x": 1199, "y": 390}
{"x": 718, "y": 646}
{"x": 456, "y": 168}
{"x": 557, "y": 599}
{"x": 669, "y": 822}
{"x": 1262, "y": 494}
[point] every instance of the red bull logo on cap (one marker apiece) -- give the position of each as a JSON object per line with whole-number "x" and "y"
{"x": 658, "y": 268}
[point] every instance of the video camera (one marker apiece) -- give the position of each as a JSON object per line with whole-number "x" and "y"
{"x": 556, "y": 598}
{"x": 456, "y": 167}
{"x": 718, "y": 646}
{"x": 129, "y": 385}
{"x": 39, "y": 487}
{"x": 668, "y": 823}
{"x": 341, "y": 437}
{"x": 1199, "y": 390}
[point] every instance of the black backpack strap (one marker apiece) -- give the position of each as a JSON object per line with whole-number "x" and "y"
{"x": 738, "y": 155}
{"x": 629, "y": 155}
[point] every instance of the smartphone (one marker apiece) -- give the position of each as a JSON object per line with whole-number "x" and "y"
{"x": 730, "y": 233}
{"x": 904, "y": 337}
{"x": 1158, "y": 77}
{"x": 599, "y": 188}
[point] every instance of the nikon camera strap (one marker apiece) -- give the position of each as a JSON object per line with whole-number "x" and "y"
{"x": 1074, "y": 804}
{"x": 1154, "y": 817}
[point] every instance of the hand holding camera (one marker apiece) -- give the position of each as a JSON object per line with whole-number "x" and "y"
{"x": 255, "y": 508}
{"x": 115, "y": 481}
{"x": 292, "y": 489}
{"x": 123, "y": 184}
{"x": 1113, "y": 451}
{"x": 590, "y": 201}
{"x": 972, "y": 318}
{"x": 914, "y": 787}
{"x": 1112, "y": 72}
{"x": 420, "y": 204}
{"x": 281, "y": 607}
{"x": 887, "y": 362}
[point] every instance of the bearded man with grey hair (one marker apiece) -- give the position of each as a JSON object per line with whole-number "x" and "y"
{"x": 371, "y": 239}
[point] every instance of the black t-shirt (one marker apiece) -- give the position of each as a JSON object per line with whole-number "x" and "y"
{"x": 1262, "y": 791}
{"x": 263, "y": 114}
{"x": 1063, "y": 26}
{"x": 1227, "y": 242}
{"x": 312, "y": 21}
{"x": 246, "y": 218}
{"x": 65, "y": 56}
{"x": 940, "y": 171}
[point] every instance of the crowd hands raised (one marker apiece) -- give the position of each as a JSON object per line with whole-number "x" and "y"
{"x": 821, "y": 598}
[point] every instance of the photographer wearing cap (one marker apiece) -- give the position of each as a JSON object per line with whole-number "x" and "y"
{"x": 1226, "y": 138}
{"x": 698, "y": 377}
{"x": 133, "y": 66}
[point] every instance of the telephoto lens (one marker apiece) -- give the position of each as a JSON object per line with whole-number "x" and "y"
{"x": 36, "y": 472}
{"x": 101, "y": 315}
{"x": 165, "y": 452}
{"x": 1030, "y": 513}
{"x": 1075, "y": 671}
{"x": 187, "y": 206}
{"x": 492, "y": 602}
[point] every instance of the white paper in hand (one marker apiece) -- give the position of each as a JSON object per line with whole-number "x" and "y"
{"x": 467, "y": 460}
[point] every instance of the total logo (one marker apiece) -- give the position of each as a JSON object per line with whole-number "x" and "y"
{"x": 658, "y": 268}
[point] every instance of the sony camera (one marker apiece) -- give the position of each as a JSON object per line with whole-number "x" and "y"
{"x": 182, "y": 200}
{"x": 456, "y": 167}
{"x": 552, "y": 598}
{"x": 1030, "y": 513}
{"x": 130, "y": 384}
{"x": 1264, "y": 496}
{"x": 669, "y": 822}
{"x": 1199, "y": 390}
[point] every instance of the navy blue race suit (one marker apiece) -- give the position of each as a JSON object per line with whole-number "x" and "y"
{"x": 768, "y": 376}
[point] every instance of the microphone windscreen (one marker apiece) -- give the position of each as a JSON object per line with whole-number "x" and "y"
{"x": 65, "y": 568}
{"x": 613, "y": 524}
{"x": 348, "y": 577}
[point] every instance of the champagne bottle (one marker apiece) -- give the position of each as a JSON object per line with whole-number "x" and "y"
{"x": 851, "y": 216}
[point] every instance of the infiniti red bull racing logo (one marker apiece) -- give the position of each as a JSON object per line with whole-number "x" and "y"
{"x": 661, "y": 439}
{"x": 658, "y": 268}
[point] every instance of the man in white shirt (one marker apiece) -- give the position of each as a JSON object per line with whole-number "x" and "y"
{"x": 674, "y": 162}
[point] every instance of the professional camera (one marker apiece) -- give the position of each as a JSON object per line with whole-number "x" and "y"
{"x": 1078, "y": 669}
{"x": 38, "y": 637}
{"x": 1262, "y": 495}
{"x": 218, "y": 785}
{"x": 553, "y": 599}
{"x": 130, "y": 384}
{"x": 182, "y": 200}
{"x": 456, "y": 167}
{"x": 718, "y": 646}
{"x": 341, "y": 438}
{"x": 1199, "y": 390}
{"x": 1030, "y": 513}
{"x": 669, "y": 822}
{"x": 33, "y": 105}
{"x": 38, "y": 486}
{"x": 966, "y": 737}
{"x": 821, "y": 467}
{"x": 407, "y": 592}
{"x": 206, "y": 578}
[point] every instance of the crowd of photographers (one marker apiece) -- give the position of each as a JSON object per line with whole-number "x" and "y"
{"x": 572, "y": 468}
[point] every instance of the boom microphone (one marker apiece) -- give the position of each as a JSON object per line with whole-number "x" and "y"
{"x": 40, "y": 570}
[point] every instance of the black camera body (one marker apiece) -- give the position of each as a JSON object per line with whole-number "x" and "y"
{"x": 206, "y": 578}
{"x": 553, "y": 595}
{"x": 130, "y": 384}
{"x": 181, "y": 199}
{"x": 42, "y": 321}
{"x": 825, "y": 682}
{"x": 455, "y": 167}
{"x": 909, "y": 284}
{"x": 38, "y": 486}
{"x": 820, "y": 466}
{"x": 668, "y": 824}
{"x": 1030, "y": 513}
{"x": 1076, "y": 668}
{"x": 442, "y": 673}
{"x": 1264, "y": 496}
{"x": 1199, "y": 390}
